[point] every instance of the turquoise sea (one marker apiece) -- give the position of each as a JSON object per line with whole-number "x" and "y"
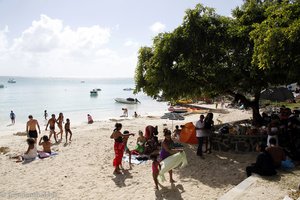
{"x": 71, "y": 96}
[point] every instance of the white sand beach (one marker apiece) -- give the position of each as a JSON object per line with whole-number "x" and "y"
{"x": 83, "y": 169}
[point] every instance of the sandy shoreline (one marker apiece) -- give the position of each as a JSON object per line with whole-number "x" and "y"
{"x": 83, "y": 169}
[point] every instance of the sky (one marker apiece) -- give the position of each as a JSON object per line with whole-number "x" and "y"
{"x": 86, "y": 38}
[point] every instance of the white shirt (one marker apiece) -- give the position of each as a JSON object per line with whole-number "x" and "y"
{"x": 200, "y": 132}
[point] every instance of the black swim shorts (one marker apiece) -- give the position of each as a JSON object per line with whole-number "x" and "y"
{"x": 33, "y": 134}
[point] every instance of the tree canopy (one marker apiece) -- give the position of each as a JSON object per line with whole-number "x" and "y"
{"x": 210, "y": 55}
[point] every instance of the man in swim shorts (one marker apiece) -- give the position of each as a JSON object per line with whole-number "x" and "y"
{"x": 52, "y": 122}
{"x": 31, "y": 128}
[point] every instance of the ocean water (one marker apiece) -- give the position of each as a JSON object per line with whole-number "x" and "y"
{"x": 71, "y": 97}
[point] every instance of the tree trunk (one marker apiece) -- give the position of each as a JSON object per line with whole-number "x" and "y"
{"x": 254, "y": 105}
{"x": 257, "y": 119}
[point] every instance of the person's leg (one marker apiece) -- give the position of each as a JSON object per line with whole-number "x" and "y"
{"x": 209, "y": 144}
{"x": 155, "y": 180}
{"x": 70, "y": 135}
{"x": 129, "y": 157}
{"x": 200, "y": 144}
{"x": 55, "y": 137}
{"x": 171, "y": 176}
{"x": 66, "y": 136}
{"x": 50, "y": 135}
{"x": 61, "y": 132}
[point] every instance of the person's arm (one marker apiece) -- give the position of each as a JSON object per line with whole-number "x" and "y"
{"x": 37, "y": 123}
{"x": 27, "y": 127}
{"x": 40, "y": 142}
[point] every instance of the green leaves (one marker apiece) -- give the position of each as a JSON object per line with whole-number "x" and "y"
{"x": 209, "y": 54}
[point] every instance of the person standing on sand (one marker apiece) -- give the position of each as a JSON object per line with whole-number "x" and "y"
{"x": 118, "y": 147}
{"x": 60, "y": 121}
{"x": 12, "y": 117}
{"x": 68, "y": 130}
{"x": 155, "y": 169}
{"x": 200, "y": 134}
{"x": 45, "y": 114}
{"x": 127, "y": 150}
{"x": 167, "y": 149}
{"x": 31, "y": 128}
{"x": 52, "y": 122}
{"x": 208, "y": 126}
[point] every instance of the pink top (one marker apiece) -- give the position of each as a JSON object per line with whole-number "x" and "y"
{"x": 155, "y": 169}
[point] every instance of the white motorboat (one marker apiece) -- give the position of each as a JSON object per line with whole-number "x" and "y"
{"x": 127, "y": 100}
{"x": 11, "y": 80}
{"x": 94, "y": 92}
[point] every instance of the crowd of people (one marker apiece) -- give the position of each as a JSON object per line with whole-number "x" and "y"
{"x": 33, "y": 131}
{"x": 147, "y": 144}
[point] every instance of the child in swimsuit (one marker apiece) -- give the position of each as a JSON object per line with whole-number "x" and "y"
{"x": 68, "y": 130}
{"x": 125, "y": 140}
{"x": 155, "y": 169}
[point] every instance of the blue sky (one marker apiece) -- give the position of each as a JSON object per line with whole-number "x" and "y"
{"x": 85, "y": 38}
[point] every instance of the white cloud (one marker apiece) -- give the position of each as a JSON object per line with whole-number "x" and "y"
{"x": 131, "y": 43}
{"x": 3, "y": 38}
{"x": 50, "y": 48}
{"x": 157, "y": 27}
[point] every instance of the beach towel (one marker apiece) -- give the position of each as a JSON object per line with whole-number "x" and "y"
{"x": 171, "y": 162}
{"x": 134, "y": 159}
{"x": 42, "y": 154}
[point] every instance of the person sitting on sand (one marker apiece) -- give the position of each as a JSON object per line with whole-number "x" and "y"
{"x": 52, "y": 122}
{"x": 31, "y": 152}
{"x": 68, "y": 130}
{"x": 125, "y": 140}
{"x": 276, "y": 152}
{"x": 264, "y": 163}
{"x": 176, "y": 132}
{"x": 167, "y": 149}
{"x": 118, "y": 147}
{"x": 140, "y": 143}
{"x": 46, "y": 144}
{"x": 31, "y": 128}
{"x": 155, "y": 169}
{"x": 90, "y": 119}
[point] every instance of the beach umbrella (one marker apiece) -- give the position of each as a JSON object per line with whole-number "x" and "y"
{"x": 172, "y": 116}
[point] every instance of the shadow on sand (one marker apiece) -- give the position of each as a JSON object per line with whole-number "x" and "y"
{"x": 218, "y": 169}
{"x": 170, "y": 193}
{"x": 119, "y": 179}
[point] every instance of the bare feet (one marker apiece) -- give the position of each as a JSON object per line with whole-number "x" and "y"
{"x": 117, "y": 172}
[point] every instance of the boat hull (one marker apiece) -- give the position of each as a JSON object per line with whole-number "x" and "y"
{"x": 122, "y": 100}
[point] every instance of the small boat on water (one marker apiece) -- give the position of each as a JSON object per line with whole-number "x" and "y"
{"x": 177, "y": 109}
{"x": 128, "y": 89}
{"x": 94, "y": 93}
{"x": 127, "y": 100}
{"x": 97, "y": 89}
{"x": 1, "y": 86}
{"x": 11, "y": 80}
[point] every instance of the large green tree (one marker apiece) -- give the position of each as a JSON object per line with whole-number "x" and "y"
{"x": 211, "y": 55}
